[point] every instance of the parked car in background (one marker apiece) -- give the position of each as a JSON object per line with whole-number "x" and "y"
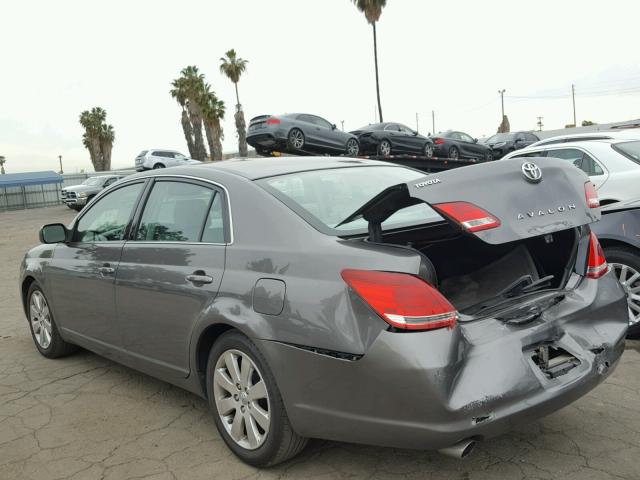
{"x": 503, "y": 143}
{"x": 299, "y": 133}
{"x": 456, "y": 145}
{"x": 149, "y": 159}
{"x": 619, "y": 235}
{"x": 382, "y": 307}
{"x": 77, "y": 196}
{"x": 629, "y": 134}
{"x": 391, "y": 138}
{"x": 613, "y": 165}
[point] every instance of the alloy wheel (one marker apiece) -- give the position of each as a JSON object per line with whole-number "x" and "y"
{"x": 428, "y": 150}
{"x": 296, "y": 138}
{"x": 453, "y": 153}
{"x": 40, "y": 318}
{"x": 352, "y": 147}
{"x": 629, "y": 278}
{"x": 241, "y": 398}
{"x": 385, "y": 148}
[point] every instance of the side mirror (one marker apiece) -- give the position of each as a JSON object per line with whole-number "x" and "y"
{"x": 475, "y": 140}
{"x": 53, "y": 233}
{"x": 415, "y": 134}
{"x": 333, "y": 127}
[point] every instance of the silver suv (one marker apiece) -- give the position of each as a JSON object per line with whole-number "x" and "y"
{"x": 148, "y": 159}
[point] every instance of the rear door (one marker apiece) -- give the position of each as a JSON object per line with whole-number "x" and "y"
{"x": 524, "y": 208}
{"x": 471, "y": 148}
{"x": 170, "y": 270}
{"x": 311, "y": 131}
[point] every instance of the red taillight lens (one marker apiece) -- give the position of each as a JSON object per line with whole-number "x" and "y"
{"x": 597, "y": 266}
{"x": 273, "y": 121}
{"x": 472, "y": 218}
{"x": 591, "y": 195}
{"x": 438, "y": 141}
{"x": 402, "y": 300}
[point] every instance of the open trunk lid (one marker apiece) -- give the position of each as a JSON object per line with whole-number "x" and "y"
{"x": 530, "y": 197}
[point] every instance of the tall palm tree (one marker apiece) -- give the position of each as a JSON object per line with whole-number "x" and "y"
{"x": 213, "y": 110}
{"x": 194, "y": 85}
{"x": 98, "y": 137}
{"x": 372, "y": 10}
{"x": 179, "y": 92}
{"x": 233, "y": 67}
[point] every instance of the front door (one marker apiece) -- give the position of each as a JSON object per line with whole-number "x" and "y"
{"x": 82, "y": 272}
{"x": 170, "y": 271}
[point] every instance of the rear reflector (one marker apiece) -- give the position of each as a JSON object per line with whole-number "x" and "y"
{"x": 273, "y": 121}
{"x": 591, "y": 195}
{"x": 402, "y": 300}
{"x": 438, "y": 141}
{"x": 472, "y": 218}
{"x": 597, "y": 265}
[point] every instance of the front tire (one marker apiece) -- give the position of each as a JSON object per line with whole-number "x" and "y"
{"x": 247, "y": 406}
{"x": 353, "y": 148}
{"x": 295, "y": 139}
{"x": 44, "y": 330}
{"x": 625, "y": 263}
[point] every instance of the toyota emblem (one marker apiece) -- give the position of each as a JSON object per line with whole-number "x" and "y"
{"x": 531, "y": 172}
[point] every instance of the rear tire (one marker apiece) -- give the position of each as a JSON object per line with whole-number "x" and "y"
{"x": 488, "y": 157}
{"x": 353, "y": 148}
{"x": 158, "y": 165}
{"x": 619, "y": 258}
{"x": 454, "y": 153}
{"x": 384, "y": 148}
{"x": 295, "y": 139}
{"x": 44, "y": 330}
{"x": 274, "y": 441}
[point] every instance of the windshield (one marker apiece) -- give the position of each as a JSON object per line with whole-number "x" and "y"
{"x": 326, "y": 197}
{"x": 500, "y": 137}
{"x": 630, "y": 150}
{"x": 93, "y": 181}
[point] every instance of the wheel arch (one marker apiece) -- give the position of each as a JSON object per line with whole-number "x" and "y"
{"x": 24, "y": 289}
{"x": 607, "y": 242}
{"x": 205, "y": 342}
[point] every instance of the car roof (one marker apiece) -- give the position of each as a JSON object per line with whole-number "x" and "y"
{"x": 630, "y": 134}
{"x": 256, "y": 168}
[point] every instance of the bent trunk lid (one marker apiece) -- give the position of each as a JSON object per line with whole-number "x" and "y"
{"x": 526, "y": 208}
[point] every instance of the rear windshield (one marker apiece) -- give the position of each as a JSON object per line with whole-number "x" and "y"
{"x": 630, "y": 150}
{"x": 325, "y": 198}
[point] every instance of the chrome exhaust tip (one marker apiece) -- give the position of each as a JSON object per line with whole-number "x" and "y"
{"x": 460, "y": 449}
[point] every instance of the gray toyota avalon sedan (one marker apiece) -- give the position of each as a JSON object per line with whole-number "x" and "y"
{"x": 341, "y": 299}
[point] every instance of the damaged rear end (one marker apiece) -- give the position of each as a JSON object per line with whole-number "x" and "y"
{"x": 509, "y": 314}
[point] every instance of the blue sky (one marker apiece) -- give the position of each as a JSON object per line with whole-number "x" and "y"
{"x": 59, "y": 58}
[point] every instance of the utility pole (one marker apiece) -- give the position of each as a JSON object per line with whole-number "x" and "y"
{"x": 433, "y": 122}
{"x": 342, "y": 122}
{"x": 2, "y": 160}
{"x": 501, "y": 92}
{"x": 573, "y": 97}
{"x": 60, "y": 160}
{"x": 540, "y": 125}
{"x": 417, "y": 124}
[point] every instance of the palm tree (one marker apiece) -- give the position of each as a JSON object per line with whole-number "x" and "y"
{"x": 213, "y": 110}
{"x": 98, "y": 137}
{"x": 233, "y": 67}
{"x": 179, "y": 92}
{"x": 372, "y": 10}
{"x": 2, "y": 162}
{"x": 193, "y": 83}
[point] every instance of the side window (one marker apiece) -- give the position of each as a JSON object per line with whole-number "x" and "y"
{"x": 591, "y": 167}
{"x": 405, "y": 129}
{"x": 531, "y": 137}
{"x": 572, "y": 155}
{"x": 168, "y": 154}
{"x": 465, "y": 138}
{"x": 155, "y": 153}
{"x": 174, "y": 212}
{"x": 305, "y": 118}
{"x": 107, "y": 219}
{"x": 454, "y": 136}
{"x": 530, "y": 154}
{"x": 321, "y": 122}
{"x": 392, "y": 127}
{"x": 214, "y": 227}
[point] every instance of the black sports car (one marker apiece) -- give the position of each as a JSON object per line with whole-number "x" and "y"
{"x": 503, "y": 143}
{"x": 392, "y": 138}
{"x": 460, "y": 145}
{"x": 619, "y": 234}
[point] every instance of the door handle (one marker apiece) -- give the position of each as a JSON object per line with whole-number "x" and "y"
{"x": 106, "y": 270}
{"x": 199, "y": 277}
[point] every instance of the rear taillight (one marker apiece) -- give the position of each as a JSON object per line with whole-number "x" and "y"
{"x": 402, "y": 300}
{"x": 471, "y": 217}
{"x": 597, "y": 265}
{"x": 438, "y": 141}
{"x": 591, "y": 195}
{"x": 273, "y": 121}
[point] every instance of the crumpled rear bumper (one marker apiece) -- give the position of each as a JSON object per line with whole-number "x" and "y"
{"x": 429, "y": 390}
